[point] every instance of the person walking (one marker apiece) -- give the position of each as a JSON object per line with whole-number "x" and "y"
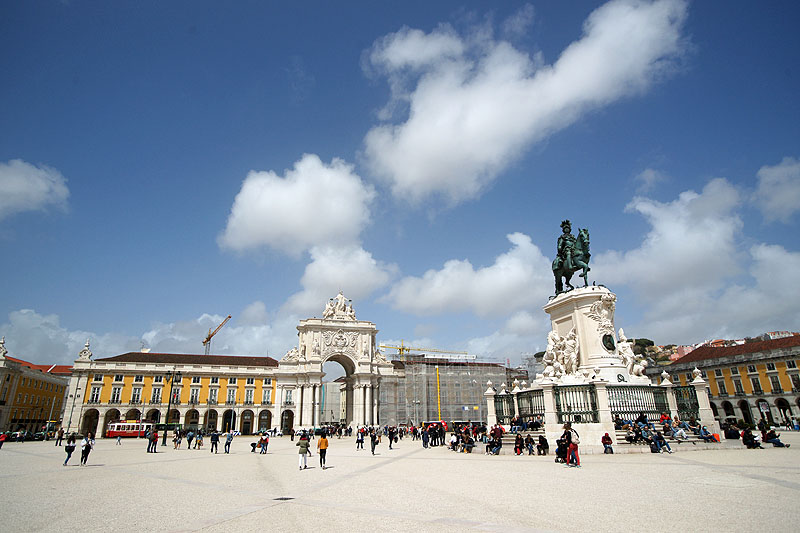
{"x": 322, "y": 446}
{"x": 303, "y": 451}
{"x": 264, "y": 443}
{"x": 572, "y": 440}
{"x": 3, "y": 438}
{"x": 373, "y": 440}
{"x": 86, "y": 447}
{"x": 359, "y": 440}
{"x": 189, "y": 439}
{"x": 215, "y": 442}
{"x": 228, "y": 441}
{"x": 59, "y": 436}
{"x": 69, "y": 448}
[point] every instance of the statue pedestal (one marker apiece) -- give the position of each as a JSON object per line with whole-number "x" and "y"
{"x": 590, "y": 312}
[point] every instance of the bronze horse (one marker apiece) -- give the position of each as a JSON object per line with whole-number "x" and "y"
{"x": 579, "y": 260}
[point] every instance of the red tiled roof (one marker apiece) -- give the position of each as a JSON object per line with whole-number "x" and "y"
{"x": 709, "y": 352}
{"x": 47, "y": 369}
{"x": 191, "y": 359}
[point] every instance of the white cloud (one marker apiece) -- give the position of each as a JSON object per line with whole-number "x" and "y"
{"x": 692, "y": 244}
{"x": 778, "y": 193}
{"x": 41, "y": 339}
{"x": 254, "y": 314}
{"x": 520, "y": 22}
{"x": 648, "y": 179}
{"x": 350, "y": 269}
{"x": 691, "y": 278}
{"x": 313, "y": 204}
{"x": 518, "y": 279}
{"x": 25, "y": 187}
{"x": 476, "y": 104}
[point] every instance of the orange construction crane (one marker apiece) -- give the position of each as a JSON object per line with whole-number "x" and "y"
{"x": 207, "y": 340}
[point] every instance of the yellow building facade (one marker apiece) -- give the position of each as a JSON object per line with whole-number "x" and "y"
{"x": 30, "y": 394}
{"x": 750, "y": 382}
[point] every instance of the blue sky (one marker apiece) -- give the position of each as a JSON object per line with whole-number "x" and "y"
{"x": 163, "y": 165}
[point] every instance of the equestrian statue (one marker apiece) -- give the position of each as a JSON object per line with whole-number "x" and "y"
{"x": 572, "y": 255}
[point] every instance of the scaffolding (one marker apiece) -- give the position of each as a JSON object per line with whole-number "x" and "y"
{"x": 428, "y": 389}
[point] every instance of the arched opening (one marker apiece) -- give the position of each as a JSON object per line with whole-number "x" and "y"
{"x": 174, "y": 417}
{"x": 264, "y": 420}
{"x": 191, "y": 420}
{"x": 336, "y": 396}
{"x": 90, "y": 420}
{"x": 287, "y": 421}
{"x": 211, "y": 420}
{"x": 228, "y": 421}
{"x": 727, "y": 407}
{"x": 785, "y": 410}
{"x": 247, "y": 422}
{"x": 154, "y": 415}
{"x": 714, "y": 410}
{"x": 132, "y": 414}
{"x": 112, "y": 415}
{"x": 747, "y": 415}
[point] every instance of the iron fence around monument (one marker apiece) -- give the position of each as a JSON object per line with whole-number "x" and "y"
{"x": 628, "y": 402}
{"x": 688, "y": 406}
{"x": 576, "y": 403}
{"x": 531, "y": 403}
{"x": 504, "y": 408}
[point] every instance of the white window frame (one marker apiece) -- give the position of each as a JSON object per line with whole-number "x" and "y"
{"x": 94, "y": 396}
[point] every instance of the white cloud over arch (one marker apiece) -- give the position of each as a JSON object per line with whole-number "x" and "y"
{"x": 313, "y": 204}
{"x": 348, "y": 268}
{"x": 475, "y": 104}
{"x": 25, "y": 187}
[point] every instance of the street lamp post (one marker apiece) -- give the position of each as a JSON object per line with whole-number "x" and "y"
{"x": 171, "y": 376}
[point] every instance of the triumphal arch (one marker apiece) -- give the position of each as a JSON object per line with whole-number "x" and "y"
{"x": 338, "y": 337}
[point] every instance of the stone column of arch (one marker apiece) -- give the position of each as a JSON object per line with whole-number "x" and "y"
{"x": 371, "y": 403}
{"x": 375, "y": 406}
{"x": 316, "y": 414}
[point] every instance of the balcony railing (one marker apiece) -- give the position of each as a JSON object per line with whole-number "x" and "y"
{"x": 212, "y": 402}
{"x": 248, "y": 402}
{"x": 288, "y": 403}
{"x": 777, "y": 390}
{"x": 135, "y": 402}
{"x": 193, "y": 402}
{"x": 155, "y": 402}
{"x": 114, "y": 402}
{"x": 95, "y": 402}
{"x": 230, "y": 402}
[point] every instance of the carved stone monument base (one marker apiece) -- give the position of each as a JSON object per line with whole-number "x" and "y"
{"x": 588, "y": 314}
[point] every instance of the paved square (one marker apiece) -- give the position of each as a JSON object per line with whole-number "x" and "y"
{"x": 405, "y": 489}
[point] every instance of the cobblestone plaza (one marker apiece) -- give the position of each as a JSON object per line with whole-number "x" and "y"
{"x": 405, "y": 489}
